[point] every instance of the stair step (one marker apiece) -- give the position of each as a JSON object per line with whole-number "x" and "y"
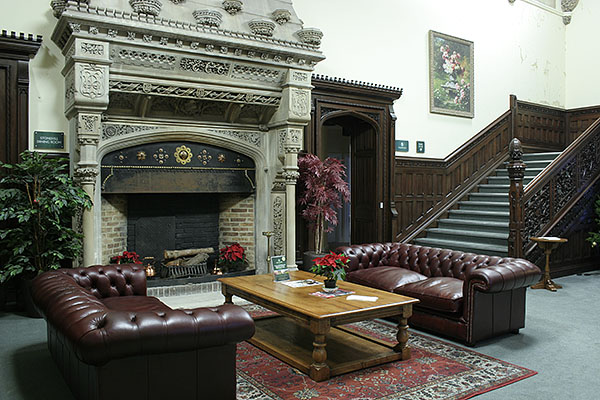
{"x": 468, "y": 247}
{"x": 474, "y": 225}
{"x": 492, "y": 238}
{"x": 499, "y": 216}
{"x": 491, "y": 188}
{"x": 540, "y": 156}
{"x": 489, "y": 197}
{"x": 529, "y": 172}
{"x": 505, "y": 180}
{"x": 484, "y": 205}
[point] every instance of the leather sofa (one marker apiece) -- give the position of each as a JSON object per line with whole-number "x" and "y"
{"x": 111, "y": 341}
{"x": 465, "y": 296}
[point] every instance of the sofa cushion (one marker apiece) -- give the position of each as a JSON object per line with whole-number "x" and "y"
{"x": 135, "y": 304}
{"x": 438, "y": 293}
{"x": 384, "y": 277}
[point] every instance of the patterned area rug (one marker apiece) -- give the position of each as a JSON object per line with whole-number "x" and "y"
{"x": 436, "y": 370}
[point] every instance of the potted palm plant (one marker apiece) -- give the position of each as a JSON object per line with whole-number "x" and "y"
{"x": 38, "y": 200}
{"x": 322, "y": 190}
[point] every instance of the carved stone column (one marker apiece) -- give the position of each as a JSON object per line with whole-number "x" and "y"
{"x": 290, "y": 118}
{"x": 86, "y": 75}
{"x": 516, "y": 172}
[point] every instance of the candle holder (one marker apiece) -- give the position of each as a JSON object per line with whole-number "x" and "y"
{"x": 268, "y": 234}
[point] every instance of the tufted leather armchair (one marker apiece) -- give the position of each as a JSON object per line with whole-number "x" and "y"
{"x": 111, "y": 341}
{"x": 465, "y": 296}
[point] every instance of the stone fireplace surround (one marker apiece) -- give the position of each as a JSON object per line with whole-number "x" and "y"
{"x": 169, "y": 75}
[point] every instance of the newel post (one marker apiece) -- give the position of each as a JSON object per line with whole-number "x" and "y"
{"x": 516, "y": 172}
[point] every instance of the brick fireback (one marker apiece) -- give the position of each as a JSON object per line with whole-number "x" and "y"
{"x": 236, "y": 224}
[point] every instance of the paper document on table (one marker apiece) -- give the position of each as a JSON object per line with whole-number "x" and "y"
{"x": 362, "y": 298}
{"x": 302, "y": 283}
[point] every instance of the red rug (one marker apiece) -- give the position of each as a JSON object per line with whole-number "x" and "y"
{"x": 436, "y": 370}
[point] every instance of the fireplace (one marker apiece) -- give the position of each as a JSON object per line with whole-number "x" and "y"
{"x": 183, "y": 115}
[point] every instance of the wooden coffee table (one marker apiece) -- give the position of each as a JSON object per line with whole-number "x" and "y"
{"x": 307, "y": 324}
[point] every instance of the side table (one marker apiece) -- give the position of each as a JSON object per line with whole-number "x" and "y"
{"x": 547, "y": 243}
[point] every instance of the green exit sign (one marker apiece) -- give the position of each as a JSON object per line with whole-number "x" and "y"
{"x": 402, "y": 145}
{"x": 48, "y": 140}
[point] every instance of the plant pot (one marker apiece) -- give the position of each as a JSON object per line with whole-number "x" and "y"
{"x": 330, "y": 285}
{"x": 307, "y": 259}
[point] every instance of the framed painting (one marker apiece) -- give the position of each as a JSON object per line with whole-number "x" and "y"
{"x": 451, "y": 84}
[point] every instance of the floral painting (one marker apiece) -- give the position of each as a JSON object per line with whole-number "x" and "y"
{"x": 450, "y": 75}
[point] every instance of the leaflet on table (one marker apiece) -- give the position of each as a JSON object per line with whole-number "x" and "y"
{"x": 302, "y": 283}
{"x": 335, "y": 293}
{"x": 279, "y": 268}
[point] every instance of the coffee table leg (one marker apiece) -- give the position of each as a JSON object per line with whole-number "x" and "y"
{"x": 402, "y": 335}
{"x": 228, "y": 296}
{"x": 319, "y": 370}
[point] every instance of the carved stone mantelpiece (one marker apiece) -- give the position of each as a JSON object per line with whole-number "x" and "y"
{"x": 223, "y": 74}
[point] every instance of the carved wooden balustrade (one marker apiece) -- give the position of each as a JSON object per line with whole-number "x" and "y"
{"x": 551, "y": 194}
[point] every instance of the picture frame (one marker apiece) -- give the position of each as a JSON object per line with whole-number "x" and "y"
{"x": 451, "y": 75}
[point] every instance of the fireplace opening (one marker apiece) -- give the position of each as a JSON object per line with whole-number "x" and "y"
{"x": 159, "y": 222}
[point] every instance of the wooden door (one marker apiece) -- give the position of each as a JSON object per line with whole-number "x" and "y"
{"x": 364, "y": 185}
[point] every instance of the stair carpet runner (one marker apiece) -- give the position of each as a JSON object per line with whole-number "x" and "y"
{"x": 480, "y": 224}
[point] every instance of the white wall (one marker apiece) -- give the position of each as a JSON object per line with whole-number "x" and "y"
{"x": 583, "y": 56}
{"x": 519, "y": 49}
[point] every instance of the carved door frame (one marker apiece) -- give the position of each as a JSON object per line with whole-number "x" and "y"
{"x": 372, "y": 104}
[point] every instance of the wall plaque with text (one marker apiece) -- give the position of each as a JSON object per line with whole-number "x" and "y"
{"x": 48, "y": 140}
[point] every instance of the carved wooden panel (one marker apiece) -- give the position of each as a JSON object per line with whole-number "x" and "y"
{"x": 541, "y": 127}
{"x": 579, "y": 120}
{"x": 15, "y": 51}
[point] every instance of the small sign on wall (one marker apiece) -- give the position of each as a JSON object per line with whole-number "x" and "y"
{"x": 402, "y": 145}
{"x": 420, "y": 147}
{"x": 48, "y": 140}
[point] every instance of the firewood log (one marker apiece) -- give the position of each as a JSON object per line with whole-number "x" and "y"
{"x": 170, "y": 254}
{"x": 197, "y": 259}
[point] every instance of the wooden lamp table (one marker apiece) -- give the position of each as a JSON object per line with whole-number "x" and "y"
{"x": 307, "y": 325}
{"x": 547, "y": 244}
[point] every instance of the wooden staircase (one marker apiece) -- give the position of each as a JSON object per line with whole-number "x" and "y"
{"x": 480, "y": 224}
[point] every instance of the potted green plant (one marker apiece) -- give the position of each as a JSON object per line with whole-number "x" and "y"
{"x": 332, "y": 267}
{"x": 322, "y": 190}
{"x": 38, "y": 200}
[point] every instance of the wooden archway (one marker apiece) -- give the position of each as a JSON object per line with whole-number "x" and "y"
{"x": 365, "y": 112}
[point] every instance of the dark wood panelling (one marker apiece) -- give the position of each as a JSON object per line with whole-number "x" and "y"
{"x": 541, "y": 128}
{"x": 580, "y": 119}
{"x": 15, "y": 52}
{"x": 426, "y": 188}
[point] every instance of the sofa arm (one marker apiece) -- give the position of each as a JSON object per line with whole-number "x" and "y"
{"x": 508, "y": 274}
{"x": 119, "y": 334}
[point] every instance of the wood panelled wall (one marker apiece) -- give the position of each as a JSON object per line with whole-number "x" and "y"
{"x": 15, "y": 52}
{"x": 425, "y": 187}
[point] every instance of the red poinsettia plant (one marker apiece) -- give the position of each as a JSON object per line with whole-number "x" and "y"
{"x": 322, "y": 190}
{"x": 332, "y": 266}
{"x": 232, "y": 258}
{"x": 128, "y": 257}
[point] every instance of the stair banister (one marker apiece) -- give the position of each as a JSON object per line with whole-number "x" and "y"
{"x": 516, "y": 173}
{"x": 562, "y": 183}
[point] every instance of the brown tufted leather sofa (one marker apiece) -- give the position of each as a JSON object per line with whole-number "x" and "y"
{"x": 111, "y": 341}
{"x": 464, "y": 296}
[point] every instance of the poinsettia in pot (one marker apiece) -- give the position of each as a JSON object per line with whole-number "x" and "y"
{"x": 128, "y": 257}
{"x": 232, "y": 258}
{"x": 332, "y": 267}
{"x": 322, "y": 191}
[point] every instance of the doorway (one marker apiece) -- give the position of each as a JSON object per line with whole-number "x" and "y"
{"x": 353, "y": 141}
